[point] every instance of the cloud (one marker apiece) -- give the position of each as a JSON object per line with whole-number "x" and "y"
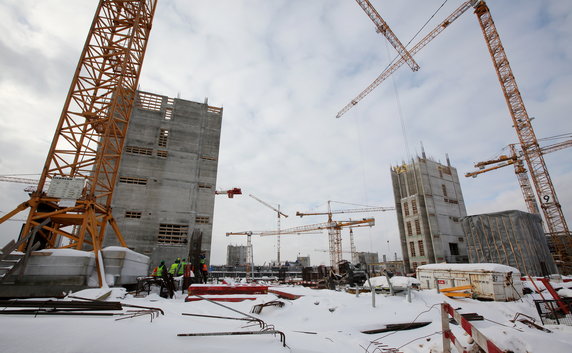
{"x": 282, "y": 70}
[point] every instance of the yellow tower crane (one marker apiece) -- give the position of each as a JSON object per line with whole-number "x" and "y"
{"x": 83, "y": 159}
{"x": 559, "y": 233}
{"x": 331, "y": 226}
{"x": 278, "y": 215}
{"x": 334, "y": 233}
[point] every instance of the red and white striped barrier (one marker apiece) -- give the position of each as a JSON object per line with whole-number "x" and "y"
{"x": 481, "y": 340}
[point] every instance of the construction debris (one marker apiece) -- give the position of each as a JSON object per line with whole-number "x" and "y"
{"x": 227, "y": 289}
{"x": 257, "y": 309}
{"x": 398, "y": 327}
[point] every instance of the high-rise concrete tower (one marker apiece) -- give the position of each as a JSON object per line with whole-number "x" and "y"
{"x": 429, "y": 204}
{"x": 164, "y": 196}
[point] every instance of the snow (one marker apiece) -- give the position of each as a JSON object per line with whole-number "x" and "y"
{"x": 320, "y": 321}
{"x": 565, "y": 292}
{"x": 396, "y": 281}
{"x": 67, "y": 252}
{"x": 478, "y": 267}
{"x": 130, "y": 254}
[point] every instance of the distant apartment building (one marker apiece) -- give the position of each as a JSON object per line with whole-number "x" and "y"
{"x": 304, "y": 261}
{"x": 429, "y": 206}
{"x": 236, "y": 255}
{"x": 367, "y": 258}
{"x": 164, "y": 195}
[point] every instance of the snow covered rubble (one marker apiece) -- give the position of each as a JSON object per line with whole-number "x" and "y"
{"x": 320, "y": 321}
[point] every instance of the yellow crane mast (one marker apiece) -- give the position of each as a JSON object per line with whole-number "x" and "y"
{"x": 85, "y": 153}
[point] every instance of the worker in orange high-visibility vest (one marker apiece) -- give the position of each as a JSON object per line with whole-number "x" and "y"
{"x": 204, "y": 272}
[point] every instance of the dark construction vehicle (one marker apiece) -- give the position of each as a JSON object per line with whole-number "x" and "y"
{"x": 349, "y": 274}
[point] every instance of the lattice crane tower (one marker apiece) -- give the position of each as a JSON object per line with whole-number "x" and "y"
{"x": 85, "y": 153}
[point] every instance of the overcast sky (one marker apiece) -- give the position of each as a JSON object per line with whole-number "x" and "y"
{"x": 282, "y": 69}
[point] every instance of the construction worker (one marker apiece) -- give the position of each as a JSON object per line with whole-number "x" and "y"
{"x": 181, "y": 269}
{"x": 159, "y": 270}
{"x": 204, "y": 272}
{"x": 174, "y": 267}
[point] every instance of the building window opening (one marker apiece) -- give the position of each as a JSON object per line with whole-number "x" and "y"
{"x": 168, "y": 113}
{"x": 139, "y": 150}
{"x": 421, "y": 248}
{"x": 134, "y": 181}
{"x": 163, "y": 137}
{"x": 405, "y": 208}
{"x": 444, "y": 188}
{"x": 409, "y": 230}
{"x": 172, "y": 234}
{"x": 202, "y": 219}
{"x": 162, "y": 154}
{"x": 414, "y": 206}
{"x": 454, "y": 248}
{"x": 417, "y": 227}
{"x": 412, "y": 248}
{"x": 132, "y": 214}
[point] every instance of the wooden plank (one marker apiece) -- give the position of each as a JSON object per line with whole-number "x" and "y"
{"x": 467, "y": 287}
{"x": 458, "y": 294}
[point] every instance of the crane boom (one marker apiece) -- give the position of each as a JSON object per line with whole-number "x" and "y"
{"x": 514, "y": 157}
{"x": 521, "y": 173}
{"x": 398, "y": 62}
{"x": 553, "y": 215}
{"x": 351, "y": 210}
{"x": 370, "y": 222}
{"x": 384, "y": 29}
{"x": 11, "y": 179}
{"x": 280, "y": 213}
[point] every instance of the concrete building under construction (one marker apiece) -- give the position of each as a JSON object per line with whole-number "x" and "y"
{"x": 236, "y": 255}
{"x": 164, "y": 196}
{"x": 429, "y": 206}
{"x": 367, "y": 258}
{"x": 512, "y": 238}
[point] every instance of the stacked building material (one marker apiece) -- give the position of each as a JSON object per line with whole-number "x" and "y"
{"x": 225, "y": 292}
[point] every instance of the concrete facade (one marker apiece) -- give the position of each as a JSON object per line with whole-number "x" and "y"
{"x": 512, "y": 238}
{"x": 367, "y": 257}
{"x": 165, "y": 188}
{"x": 236, "y": 255}
{"x": 304, "y": 261}
{"x": 429, "y": 206}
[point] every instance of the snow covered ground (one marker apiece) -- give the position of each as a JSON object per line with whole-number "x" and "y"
{"x": 320, "y": 321}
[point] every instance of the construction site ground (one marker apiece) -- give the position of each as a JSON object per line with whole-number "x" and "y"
{"x": 319, "y": 321}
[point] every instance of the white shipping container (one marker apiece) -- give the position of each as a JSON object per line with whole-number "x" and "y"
{"x": 488, "y": 281}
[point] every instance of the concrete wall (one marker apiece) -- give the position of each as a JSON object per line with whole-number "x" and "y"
{"x": 167, "y": 177}
{"x": 429, "y": 205}
{"x": 512, "y": 238}
{"x": 236, "y": 255}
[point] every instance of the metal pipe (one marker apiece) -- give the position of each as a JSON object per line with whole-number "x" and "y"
{"x": 238, "y": 333}
{"x": 260, "y": 322}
